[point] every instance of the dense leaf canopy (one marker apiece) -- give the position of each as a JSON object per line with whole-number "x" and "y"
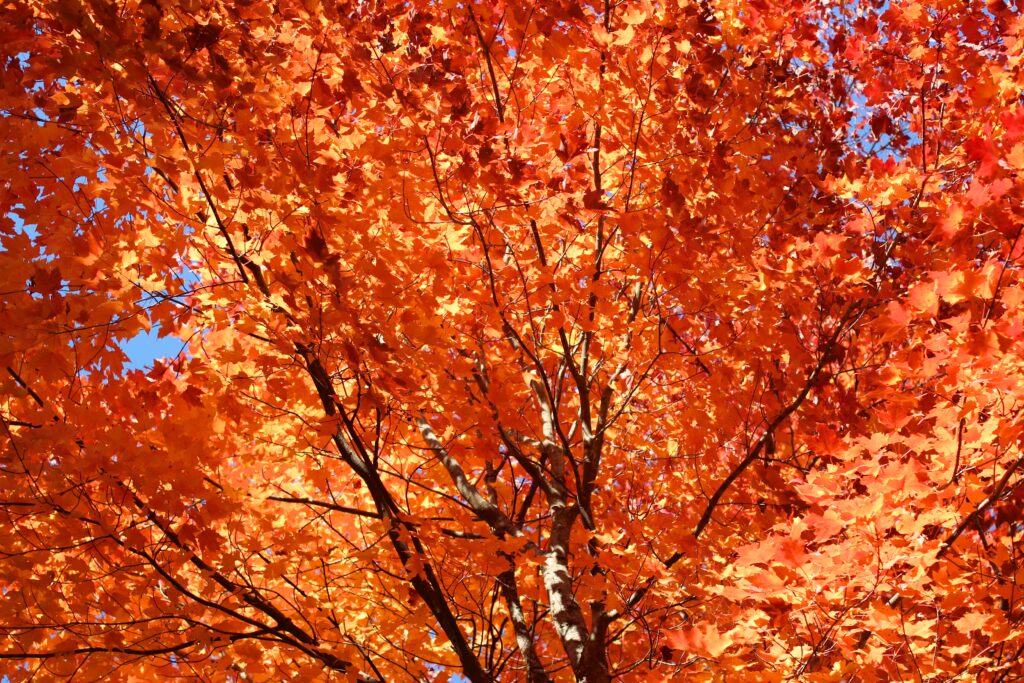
{"x": 538, "y": 341}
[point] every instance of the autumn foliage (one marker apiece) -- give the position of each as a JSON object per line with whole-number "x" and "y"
{"x": 540, "y": 341}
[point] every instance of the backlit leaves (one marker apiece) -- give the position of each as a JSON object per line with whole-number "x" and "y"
{"x": 530, "y": 342}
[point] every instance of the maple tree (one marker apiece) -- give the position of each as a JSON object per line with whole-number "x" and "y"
{"x": 530, "y": 341}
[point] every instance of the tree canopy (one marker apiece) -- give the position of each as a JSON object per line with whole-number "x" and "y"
{"x": 542, "y": 341}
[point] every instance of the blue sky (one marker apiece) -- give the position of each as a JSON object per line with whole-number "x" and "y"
{"x": 146, "y": 347}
